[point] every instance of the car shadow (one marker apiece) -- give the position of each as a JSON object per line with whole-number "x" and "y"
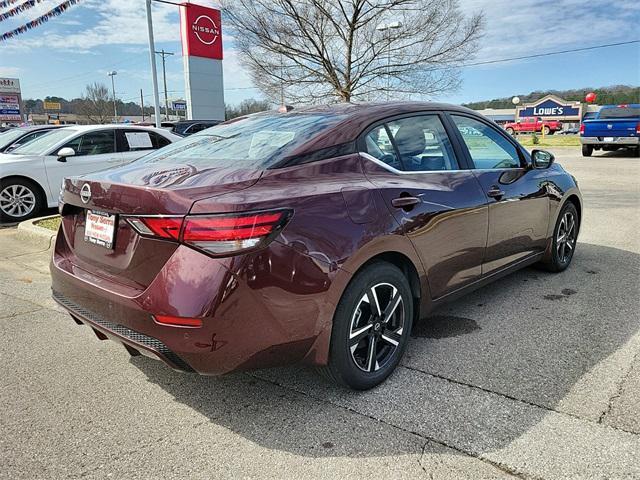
{"x": 532, "y": 337}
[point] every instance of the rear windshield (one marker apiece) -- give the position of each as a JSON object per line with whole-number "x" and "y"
{"x": 259, "y": 141}
{"x": 620, "y": 112}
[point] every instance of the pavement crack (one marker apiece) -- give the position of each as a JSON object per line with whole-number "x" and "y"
{"x": 618, "y": 392}
{"x": 526, "y": 402}
{"x": 428, "y": 438}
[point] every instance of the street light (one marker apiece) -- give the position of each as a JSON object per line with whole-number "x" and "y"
{"x": 112, "y": 74}
{"x": 382, "y": 28}
{"x": 515, "y": 101}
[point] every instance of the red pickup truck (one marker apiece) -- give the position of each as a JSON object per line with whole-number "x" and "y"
{"x": 533, "y": 124}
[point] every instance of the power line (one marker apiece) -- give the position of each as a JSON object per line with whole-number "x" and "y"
{"x": 558, "y": 52}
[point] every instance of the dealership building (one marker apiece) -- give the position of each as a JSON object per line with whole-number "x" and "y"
{"x": 549, "y": 107}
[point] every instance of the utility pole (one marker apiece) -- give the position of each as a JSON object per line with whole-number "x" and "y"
{"x": 113, "y": 89}
{"x": 154, "y": 74}
{"x": 142, "y": 104}
{"x": 164, "y": 54}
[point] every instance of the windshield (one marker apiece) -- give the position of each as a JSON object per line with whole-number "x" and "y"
{"x": 620, "y": 112}
{"x": 258, "y": 141}
{"x": 41, "y": 145}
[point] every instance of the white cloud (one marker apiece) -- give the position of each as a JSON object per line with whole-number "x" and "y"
{"x": 522, "y": 28}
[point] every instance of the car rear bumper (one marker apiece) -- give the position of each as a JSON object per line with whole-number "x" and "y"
{"x": 253, "y": 316}
{"x": 601, "y": 141}
{"x": 134, "y": 342}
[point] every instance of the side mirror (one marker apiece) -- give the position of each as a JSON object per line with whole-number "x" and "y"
{"x": 65, "y": 152}
{"x": 541, "y": 159}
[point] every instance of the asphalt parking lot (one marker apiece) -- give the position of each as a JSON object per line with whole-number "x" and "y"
{"x": 534, "y": 376}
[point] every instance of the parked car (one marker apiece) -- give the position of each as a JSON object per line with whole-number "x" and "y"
{"x": 302, "y": 237}
{"x": 533, "y": 124}
{"x": 30, "y": 175}
{"x": 12, "y": 139}
{"x": 189, "y": 127}
{"x": 615, "y": 127}
{"x": 570, "y": 131}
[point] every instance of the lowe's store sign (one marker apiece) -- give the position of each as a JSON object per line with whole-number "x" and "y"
{"x": 552, "y": 107}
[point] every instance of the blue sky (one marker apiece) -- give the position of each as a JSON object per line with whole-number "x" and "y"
{"x": 96, "y": 36}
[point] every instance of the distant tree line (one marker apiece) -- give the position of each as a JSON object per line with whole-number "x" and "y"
{"x": 615, "y": 95}
{"x": 97, "y": 105}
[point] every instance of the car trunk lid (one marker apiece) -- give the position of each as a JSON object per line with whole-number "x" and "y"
{"x": 133, "y": 260}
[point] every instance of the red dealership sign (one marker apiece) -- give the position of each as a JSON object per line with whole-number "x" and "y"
{"x": 201, "y": 31}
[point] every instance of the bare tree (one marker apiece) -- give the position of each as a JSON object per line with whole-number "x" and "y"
{"x": 322, "y": 50}
{"x": 96, "y": 104}
{"x": 247, "y": 106}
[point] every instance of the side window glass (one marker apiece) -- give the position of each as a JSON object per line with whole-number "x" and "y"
{"x": 31, "y": 136}
{"x": 423, "y": 144}
{"x": 487, "y": 147}
{"x": 378, "y": 145}
{"x": 135, "y": 140}
{"x": 94, "y": 143}
{"x": 158, "y": 140}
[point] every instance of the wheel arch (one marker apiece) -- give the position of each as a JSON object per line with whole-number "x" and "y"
{"x": 573, "y": 198}
{"x": 405, "y": 264}
{"x": 39, "y": 188}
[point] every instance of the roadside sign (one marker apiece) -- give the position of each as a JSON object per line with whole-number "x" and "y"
{"x": 52, "y": 106}
{"x": 10, "y": 100}
{"x": 179, "y": 105}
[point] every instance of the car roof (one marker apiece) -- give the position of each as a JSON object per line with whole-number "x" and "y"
{"x": 356, "y": 117}
{"x": 33, "y": 128}
{"x": 88, "y": 128}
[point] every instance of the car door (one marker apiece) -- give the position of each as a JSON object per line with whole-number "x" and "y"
{"x": 94, "y": 151}
{"x": 516, "y": 194}
{"x": 526, "y": 125}
{"x": 134, "y": 143}
{"x": 436, "y": 200}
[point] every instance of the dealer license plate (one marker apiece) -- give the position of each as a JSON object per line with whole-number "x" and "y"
{"x": 100, "y": 228}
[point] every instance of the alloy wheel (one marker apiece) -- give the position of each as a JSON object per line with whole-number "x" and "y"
{"x": 377, "y": 326}
{"x": 17, "y": 201}
{"x": 566, "y": 237}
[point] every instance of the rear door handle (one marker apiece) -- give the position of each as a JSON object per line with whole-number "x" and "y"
{"x": 495, "y": 192}
{"x": 406, "y": 203}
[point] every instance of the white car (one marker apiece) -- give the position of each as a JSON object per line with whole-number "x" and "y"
{"x": 31, "y": 175}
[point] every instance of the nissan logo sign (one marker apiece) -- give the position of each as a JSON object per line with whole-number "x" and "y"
{"x": 205, "y": 29}
{"x": 85, "y": 193}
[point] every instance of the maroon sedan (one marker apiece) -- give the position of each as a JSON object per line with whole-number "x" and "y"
{"x": 317, "y": 236}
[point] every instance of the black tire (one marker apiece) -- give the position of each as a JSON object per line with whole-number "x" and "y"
{"x": 587, "y": 150}
{"x": 510, "y": 131}
{"x": 30, "y": 194}
{"x": 561, "y": 257}
{"x": 546, "y": 130}
{"x": 350, "y": 360}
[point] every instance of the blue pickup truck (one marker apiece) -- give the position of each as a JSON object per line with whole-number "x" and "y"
{"x": 615, "y": 127}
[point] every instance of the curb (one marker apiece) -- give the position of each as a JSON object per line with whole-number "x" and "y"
{"x": 31, "y": 232}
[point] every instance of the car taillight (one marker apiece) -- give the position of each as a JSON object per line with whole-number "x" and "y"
{"x": 582, "y": 129}
{"x": 163, "y": 227}
{"x": 638, "y": 128}
{"x": 217, "y": 234}
{"x": 223, "y": 234}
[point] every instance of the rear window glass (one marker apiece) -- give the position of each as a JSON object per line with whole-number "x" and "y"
{"x": 258, "y": 141}
{"x": 620, "y": 112}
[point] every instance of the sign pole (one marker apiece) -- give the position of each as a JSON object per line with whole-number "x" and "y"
{"x": 154, "y": 74}
{"x": 142, "y": 104}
